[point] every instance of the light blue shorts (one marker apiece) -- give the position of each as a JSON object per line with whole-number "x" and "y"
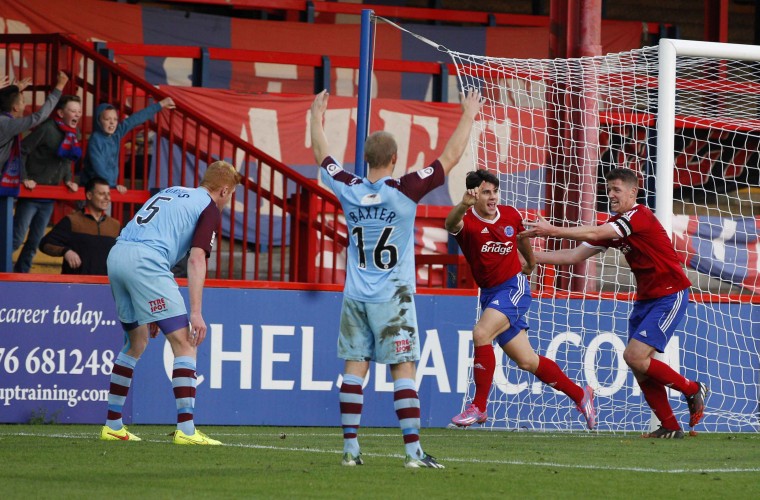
{"x": 143, "y": 287}
{"x": 512, "y": 298}
{"x": 654, "y": 321}
{"x": 383, "y": 332}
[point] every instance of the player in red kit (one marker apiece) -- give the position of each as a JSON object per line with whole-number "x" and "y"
{"x": 662, "y": 293}
{"x": 487, "y": 234}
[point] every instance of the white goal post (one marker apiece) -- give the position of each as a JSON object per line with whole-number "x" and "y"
{"x": 686, "y": 116}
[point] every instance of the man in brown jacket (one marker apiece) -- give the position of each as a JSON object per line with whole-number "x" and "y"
{"x": 85, "y": 237}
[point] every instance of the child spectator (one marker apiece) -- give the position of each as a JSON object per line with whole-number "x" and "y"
{"x": 13, "y": 123}
{"x": 85, "y": 237}
{"x": 102, "y": 159}
{"x": 48, "y": 153}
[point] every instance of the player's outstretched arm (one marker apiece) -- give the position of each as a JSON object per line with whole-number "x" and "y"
{"x": 454, "y": 222}
{"x": 565, "y": 257}
{"x": 542, "y": 227}
{"x": 318, "y": 137}
{"x": 471, "y": 104}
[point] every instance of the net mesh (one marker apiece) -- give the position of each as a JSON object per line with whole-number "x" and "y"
{"x": 550, "y": 130}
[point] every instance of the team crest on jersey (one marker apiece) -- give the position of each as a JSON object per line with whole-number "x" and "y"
{"x": 509, "y": 231}
{"x": 425, "y": 172}
{"x": 371, "y": 199}
{"x": 333, "y": 169}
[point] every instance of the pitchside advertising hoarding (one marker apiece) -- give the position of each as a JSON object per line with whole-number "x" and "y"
{"x": 270, "y": 359}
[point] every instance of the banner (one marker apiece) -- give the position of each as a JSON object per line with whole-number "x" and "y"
{"x": 259, "y": 366}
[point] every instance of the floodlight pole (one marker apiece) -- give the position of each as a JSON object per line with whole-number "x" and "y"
{"x": 365, "y": 85}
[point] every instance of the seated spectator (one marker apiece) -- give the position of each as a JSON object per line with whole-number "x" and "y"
{"x": 85, "y": 237}
{"x": 13, "y": 123}
{"x": 48, "y": 153}
{"x": 102, "y": 158}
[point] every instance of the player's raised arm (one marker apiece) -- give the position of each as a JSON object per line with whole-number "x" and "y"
{"x": 454, "y": 218}
{"x": 471, "y": 104}
{"x": 318, "y": 138}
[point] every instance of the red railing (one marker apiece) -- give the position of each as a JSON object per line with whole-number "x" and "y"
{"x": 308, "y": 8}
{"x": 286, "y": 228}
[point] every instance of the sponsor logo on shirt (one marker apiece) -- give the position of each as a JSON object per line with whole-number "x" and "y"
{"x": 509, "y": 231}
{"x": 157, "y": 305}
{"x": 497, "y": 247}
{"x": 371, "y": 199}
{"x": 643, "y": 333}
{"x": 333, "y": 169}
{"x": 425, "y": 172}
{"x": 484, "y": 231}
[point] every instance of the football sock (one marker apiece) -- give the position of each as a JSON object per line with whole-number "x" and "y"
{"x": 552, "y": 375}
{"x": 668, "y": 377}
{"x": 483, "y": 366}
{"x": 657, "y": 399}
{"x": 407, "y": 405}
{"x": 121, "y": 379}
{"x": 351, "y": 402}
{"x": 183, "y": 384}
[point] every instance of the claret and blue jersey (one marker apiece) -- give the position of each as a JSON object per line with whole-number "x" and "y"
{"x": 380, "y": 219}
{"x": 174, "y": 220}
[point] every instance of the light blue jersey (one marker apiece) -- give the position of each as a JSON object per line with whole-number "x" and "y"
{"x": 174, "y": 220}
{"x": 380, "y": 219}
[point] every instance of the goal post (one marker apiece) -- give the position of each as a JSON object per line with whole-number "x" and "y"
{"x": 686, "y": 117}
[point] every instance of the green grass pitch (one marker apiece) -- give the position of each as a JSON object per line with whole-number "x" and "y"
{"x": 68, "y": 461}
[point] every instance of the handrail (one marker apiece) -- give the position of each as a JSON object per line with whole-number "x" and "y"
{"x": 287, "y": 228}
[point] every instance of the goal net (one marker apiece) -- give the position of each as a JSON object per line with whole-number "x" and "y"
{"x": 550, "y": 130}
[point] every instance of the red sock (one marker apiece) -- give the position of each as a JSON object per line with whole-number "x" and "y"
{"x": 484, "y": 365}
{"x": 657, "y": 398}
{"x": 668, "y": 377}
{"x": 552, "y": 375}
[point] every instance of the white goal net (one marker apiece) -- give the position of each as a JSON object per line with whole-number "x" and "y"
{"x": 550, "y": 130}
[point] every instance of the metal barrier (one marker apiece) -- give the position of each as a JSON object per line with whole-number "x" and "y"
{"x": 296, "y": 231}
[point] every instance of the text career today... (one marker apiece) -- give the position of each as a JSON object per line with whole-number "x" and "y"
{"x": 79, "y": 316}
{"x": 275, "y": 359}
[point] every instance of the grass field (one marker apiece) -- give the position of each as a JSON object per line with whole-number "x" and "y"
{"x": 68, "y": 461}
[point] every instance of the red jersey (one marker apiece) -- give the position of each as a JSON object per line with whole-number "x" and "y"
{"x": 649, "y": 252}
{"x": 490, "y": 246}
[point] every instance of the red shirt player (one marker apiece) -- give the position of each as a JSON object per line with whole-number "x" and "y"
{"x": 487, "y": 234}
{"x": 662, "y": 293}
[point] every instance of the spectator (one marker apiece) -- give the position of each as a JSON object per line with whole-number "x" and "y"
{"x": 102, "y": 158}
{"x": 85, "y": 237}
{"x": 48, "y": 153}
{"x": 13, "y": 123}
